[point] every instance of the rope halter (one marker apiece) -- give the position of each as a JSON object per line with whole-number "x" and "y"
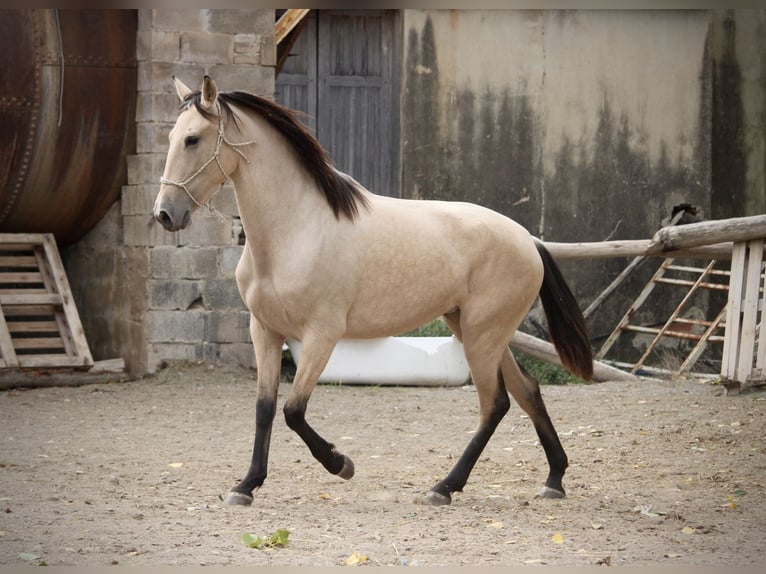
{"x": 215, "y": 157}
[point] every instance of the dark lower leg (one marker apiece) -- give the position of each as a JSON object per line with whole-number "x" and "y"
{"x": 323, "y": 451}
{"x": 265, "y": 410}
{"x": 531, "y": 401}
{"x": 458, "y": 476}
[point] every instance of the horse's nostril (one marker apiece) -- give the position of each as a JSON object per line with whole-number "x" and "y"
{"x": 164, "y": 218}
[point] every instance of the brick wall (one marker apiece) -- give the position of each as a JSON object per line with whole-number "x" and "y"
{"x": 151, "y": 296}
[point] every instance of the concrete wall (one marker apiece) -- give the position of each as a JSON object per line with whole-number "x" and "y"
{"x": 567, "y": 121}
{"x": 739, "y": 112}
{"x": 143, "y": 293}
{"x": 587, "y": 125}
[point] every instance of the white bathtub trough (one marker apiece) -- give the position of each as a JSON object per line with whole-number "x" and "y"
{"x": 427, "y": 361}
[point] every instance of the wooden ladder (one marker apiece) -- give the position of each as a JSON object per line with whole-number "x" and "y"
{"x": 39, "y": 323}
{"x": 675, "y": 326}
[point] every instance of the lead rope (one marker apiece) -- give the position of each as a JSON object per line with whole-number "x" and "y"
{"x": 216, "y": 156}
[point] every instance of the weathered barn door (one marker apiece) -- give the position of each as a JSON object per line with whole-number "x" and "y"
{"x": 343, "y": 72}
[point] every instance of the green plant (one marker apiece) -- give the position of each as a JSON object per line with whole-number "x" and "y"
{"x": 436, "y": 328}
{"x": 546, "y": 373}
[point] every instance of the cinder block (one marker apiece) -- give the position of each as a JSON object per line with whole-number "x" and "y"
{"x": 229, "y": 258}
{"x": 158, "y": 46}
{"x": 222, "y": 294}
{"x": 245, "y": 43}
{"x": 184, "y": 262}
{"x": 268, "y": 50}
{"x": 145, "y": 168}
{"x": 139, "y": 199}
{"x": 228, "y": 326}
{"x": 144, "y": 230}
{"x": 237, "y": 21}
{"x": 254, "y": 79}
{"x": 157, "y": 107}
{"x": 157, "y": 76}
{"x": 241, "y": 354}
{"x": 183, "y": 19}
{"x": 206, "y": 229}
{"x": 152, "y": 137}
{"x": 175, "y": 294}
{"x": 175, "y": 326}
{"x": 160, "y": 354}
{"x": 206, "y": 48}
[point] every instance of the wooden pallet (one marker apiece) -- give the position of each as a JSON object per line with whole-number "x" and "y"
{"x": 39, "y": 323}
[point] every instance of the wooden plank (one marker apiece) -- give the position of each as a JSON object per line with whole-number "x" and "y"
{"x": 76, "y": 331}
{"x": 13, "y": 299}
{"x": 20, "y": 240}
{"x": 547, "y": 352}
{"x": 760, "y": 362}
{"x": 289, "y": 20}
{"x": 17, "y": 261}
{"x": 733, "y": 307}
{"x": 31, "y": 311}
{"x": 28, "y": 290}
{"x": 32, "y": 326}
{"x": 51, "y": 361}
{"x": 752, "y": 283}
{"x": 108, "y": 371}
{"x": 7, "y": 351}
{"x": 21, "y": 277}
{"x": 32, "y": 343}
{"x": 701, "y": 233}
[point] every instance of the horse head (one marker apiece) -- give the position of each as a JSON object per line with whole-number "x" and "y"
{"x": 198, "y": 163}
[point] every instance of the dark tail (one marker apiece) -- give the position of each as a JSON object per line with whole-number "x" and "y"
{"x": 566, "y": 324}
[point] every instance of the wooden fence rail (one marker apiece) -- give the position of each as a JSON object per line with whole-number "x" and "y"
{"x": 739, "y": 240}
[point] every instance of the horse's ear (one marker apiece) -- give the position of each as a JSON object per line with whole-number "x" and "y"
{"x": 181, "y": 89}
{"x": 209, "y": 92}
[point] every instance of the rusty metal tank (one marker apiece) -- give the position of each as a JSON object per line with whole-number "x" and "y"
{"x": 67, "y": 117}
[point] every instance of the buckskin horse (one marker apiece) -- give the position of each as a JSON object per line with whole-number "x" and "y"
{"x": 326, "y": 259}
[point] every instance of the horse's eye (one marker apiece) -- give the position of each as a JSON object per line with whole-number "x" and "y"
{"x": 191, "y": 141}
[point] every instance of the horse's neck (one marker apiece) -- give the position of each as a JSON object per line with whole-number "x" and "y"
{"x": 278, "y": 205}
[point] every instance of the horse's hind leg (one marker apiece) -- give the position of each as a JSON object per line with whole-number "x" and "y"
{"x": 493, "y": 404}
{"x": 526, "y": 391}
{"x": 314, "y": 356}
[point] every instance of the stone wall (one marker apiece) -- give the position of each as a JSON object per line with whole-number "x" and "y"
{"x": 145, "y": 294}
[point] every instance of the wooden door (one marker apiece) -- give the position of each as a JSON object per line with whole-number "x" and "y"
{"x": 343, "y": 73}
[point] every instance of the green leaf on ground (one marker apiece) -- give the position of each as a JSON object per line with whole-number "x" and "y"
{"x": 278, "y": 538}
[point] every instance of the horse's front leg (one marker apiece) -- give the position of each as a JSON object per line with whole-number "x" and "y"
{"x": 268, "y": 358}
{"x": 314, "y": 356}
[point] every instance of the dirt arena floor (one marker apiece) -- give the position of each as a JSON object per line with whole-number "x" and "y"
{"x": 661, "y": 473}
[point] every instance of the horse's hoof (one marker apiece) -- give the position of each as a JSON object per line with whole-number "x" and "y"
{"x": 237, "y": 499}
{"x": 348, "y": 468}
{"x": 548, "y": 492}
{"x": 433, "y": 499}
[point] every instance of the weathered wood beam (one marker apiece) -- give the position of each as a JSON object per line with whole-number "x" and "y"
{"x": 547, "y": 352}
{"x": 672, "y": 238}
{"x": 633, "y": 248}
{"x": 287, "y": 22}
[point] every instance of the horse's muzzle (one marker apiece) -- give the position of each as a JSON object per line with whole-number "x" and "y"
{"x": 172, "y": 222}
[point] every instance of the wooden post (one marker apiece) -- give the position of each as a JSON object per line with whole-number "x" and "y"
{"x": 742, "y": 312}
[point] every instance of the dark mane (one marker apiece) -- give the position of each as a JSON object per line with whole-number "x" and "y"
{"x": 341, "y": 192}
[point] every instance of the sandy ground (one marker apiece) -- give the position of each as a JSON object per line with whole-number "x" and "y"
{"x": 661, "y": 473}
